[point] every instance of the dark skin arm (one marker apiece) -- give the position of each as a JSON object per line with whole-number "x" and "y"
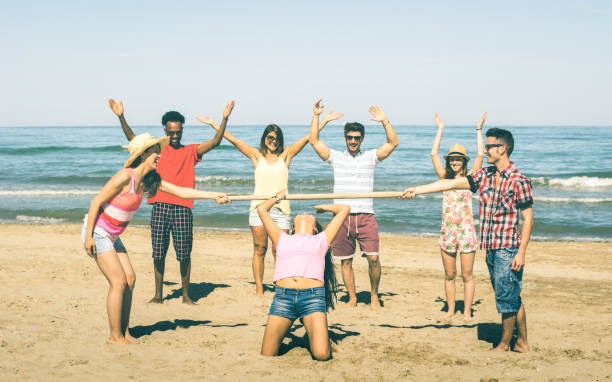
{"x": 206, "y": 146}
{"x": 117, "y": 108}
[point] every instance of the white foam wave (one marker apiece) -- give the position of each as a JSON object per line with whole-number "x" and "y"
{"x": 47, "y": 192}
{"x": 38, "y": 219}
{"x": 574, "y": 182}
{"x": 573, "y": 200}
{"x": 218, "y": 179}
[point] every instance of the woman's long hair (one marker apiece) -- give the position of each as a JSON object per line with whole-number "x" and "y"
{"x": 450, "y": 174}
{"x": 329, "y": 277}
{"x": 151, "y": 180}
{"x": 279, "y": 134}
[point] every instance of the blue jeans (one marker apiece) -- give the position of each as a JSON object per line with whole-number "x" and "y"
{"x": 507, "y": 283}
{"x": 296, "y": 303}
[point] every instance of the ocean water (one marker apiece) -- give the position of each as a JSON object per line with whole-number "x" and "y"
{"x": 49, "y": 175}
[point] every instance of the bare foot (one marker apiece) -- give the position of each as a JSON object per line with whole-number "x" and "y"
{"x": 449, "y": 315}
{"x": 188, "y": 301}
{"x": 335, "y": 348}
{"x": 520, "y": 347}
{"x": 156, "y": 300}
{"x": 129, "y": 337}
{"x": 501, "y": 348}
{"x": 351, "y": 303}
{"x": 374, "y": 302}
{"x": 468, "y": 318}
{"x": 259, "y": 293}
{"x": 118, "y": 341}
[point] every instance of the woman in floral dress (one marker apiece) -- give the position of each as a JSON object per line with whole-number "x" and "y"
{"x": 457, "y": 234}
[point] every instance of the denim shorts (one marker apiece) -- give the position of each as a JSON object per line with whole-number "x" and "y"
{"x": 104, "y": 243}
{"x": 296, "y": 303}
{"x": 282, "y": 220}
{"x": 507, "y": 283}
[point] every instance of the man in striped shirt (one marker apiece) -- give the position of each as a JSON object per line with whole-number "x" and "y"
{"x": 354, "y": 173}
{"x": 504, "y": 192}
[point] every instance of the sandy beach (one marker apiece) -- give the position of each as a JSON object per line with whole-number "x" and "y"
{"x": 54, "y": 326}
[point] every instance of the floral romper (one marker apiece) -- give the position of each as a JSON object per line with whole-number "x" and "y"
{"x": 457, "y": 233}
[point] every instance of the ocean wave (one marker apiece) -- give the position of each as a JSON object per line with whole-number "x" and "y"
{"x": 573, "y": 182}
{"x": 61, "y": 149}
{"x": 47, "y": 192}
{"x": 572, "y": 200}
{"x": 38, "y": 219}
{"x": 220, "y": 180}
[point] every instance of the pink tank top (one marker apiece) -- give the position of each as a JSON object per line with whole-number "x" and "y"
{"x": 300, "y": 255}
{"x": 116, "y": 214}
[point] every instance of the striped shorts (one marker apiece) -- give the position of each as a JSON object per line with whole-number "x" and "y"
{"x": 166, "y": 218}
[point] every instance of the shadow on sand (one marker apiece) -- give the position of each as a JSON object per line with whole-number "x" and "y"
{"x": 459, "y": 305}
{"x": 162, "y": 326}
{"x": 336, "y": 333}
{"x": 196, "y": 291}
{"x": 363, "y": 297}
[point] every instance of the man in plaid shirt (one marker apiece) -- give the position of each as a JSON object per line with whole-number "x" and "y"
{"x": 504, "y": 191}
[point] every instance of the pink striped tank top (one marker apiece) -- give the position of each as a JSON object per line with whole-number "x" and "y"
{"x": 116, "y": 214}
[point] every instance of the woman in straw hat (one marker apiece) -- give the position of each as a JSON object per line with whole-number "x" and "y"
{"x": 457, "y": 234}
{"x": 110, "y": 212}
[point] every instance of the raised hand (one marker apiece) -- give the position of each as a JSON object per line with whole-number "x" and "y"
{"x": 439, "y": 122}
{"x": 228, "y": 109}
{"x": 330, "y": 116}
{"x": 117, "y": 108}
{"x": 320, "y": 208}
{"x": 318, "y": 108}
{"x": 482, "y": 121}
{"x": 377, "y": 114}
{"x": 208, "y": 121}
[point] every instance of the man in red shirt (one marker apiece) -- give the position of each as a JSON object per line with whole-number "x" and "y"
{"x": 504, "y": 191}
{"x": 170, "y": 214}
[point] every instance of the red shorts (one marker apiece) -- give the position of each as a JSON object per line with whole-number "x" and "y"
{"x": 357, "y": 227}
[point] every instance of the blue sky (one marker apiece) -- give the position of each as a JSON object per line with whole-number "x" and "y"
{"x": 524, "y": 62}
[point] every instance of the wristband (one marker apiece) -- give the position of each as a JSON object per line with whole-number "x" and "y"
{"x": 277, "y": 198}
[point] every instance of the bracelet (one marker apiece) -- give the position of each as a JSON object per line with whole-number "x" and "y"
{"x": 385, "y": 124}
{"x": 277, "y": 198}
{"x": 479, "y": 129}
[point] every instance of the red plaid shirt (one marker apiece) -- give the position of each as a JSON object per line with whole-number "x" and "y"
{"x": 499, "y": 206}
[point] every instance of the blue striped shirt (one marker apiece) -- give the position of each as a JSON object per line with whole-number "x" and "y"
{"x": 354, "y": 174}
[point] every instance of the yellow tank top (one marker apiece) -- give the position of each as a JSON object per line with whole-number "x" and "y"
{"x": 269, "y": 179}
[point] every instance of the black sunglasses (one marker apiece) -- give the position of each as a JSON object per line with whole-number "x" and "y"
{"x": 490, "y": 146}
{"x": 353, "y": 137}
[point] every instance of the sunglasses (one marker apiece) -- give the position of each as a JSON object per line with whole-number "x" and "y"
{"x": 272, "y": 138}
{"x": 490, "y": 146}
{"x": 455, "y": 159}
{"x": 353, "y": 137}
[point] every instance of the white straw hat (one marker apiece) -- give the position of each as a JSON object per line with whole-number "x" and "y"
{"x": 140, "y": 143}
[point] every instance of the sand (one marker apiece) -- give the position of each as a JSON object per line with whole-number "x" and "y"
{"x": 53, "y": 324}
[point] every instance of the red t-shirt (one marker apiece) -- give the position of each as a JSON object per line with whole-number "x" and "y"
{"x": 177, "y": 166}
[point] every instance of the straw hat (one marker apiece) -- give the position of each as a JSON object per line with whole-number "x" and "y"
{"x": 140, "y": 143}
{"x": 457, "y": 150}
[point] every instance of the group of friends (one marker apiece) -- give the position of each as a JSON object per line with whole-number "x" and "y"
{"x": 304, "y": 276}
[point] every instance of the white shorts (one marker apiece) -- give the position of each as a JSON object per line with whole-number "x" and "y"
{"x": 282, "y": 220}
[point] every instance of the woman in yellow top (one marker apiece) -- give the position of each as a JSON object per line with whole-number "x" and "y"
{"x": 271, "y": 162}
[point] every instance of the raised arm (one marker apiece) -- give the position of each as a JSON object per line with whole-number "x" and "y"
{"x": 117, "y": 108}
{"x": 319, "y": 147}
{"x": 206, "y": 146}
{"x": 479, "y": 145}
{"x": 263, "y": 210}
{"x": 387, "y": 148}
{"x": 340, "y": 212}
{"x": 519, "y": 260}
{"x": 249, "y": 151}
{"x": 435, "y": 149}
{"x": 438, "y": 186}
{"x": 114, "y": 186}
{"x": 295, "y": 148}
{"x": 192, "y": 193}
